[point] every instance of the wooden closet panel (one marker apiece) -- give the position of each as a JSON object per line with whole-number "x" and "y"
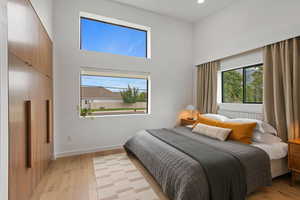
{"x": 20, "y": 181}
{"x": 45, "y": 52}
{"x": 27, "y": 84}
{"x": 30, "y": 83}
{"x": 37, "y": 119}
{"x": 39, "y": 95}
{"x": 49, "y": 117}
{"x": 42, "y": 112}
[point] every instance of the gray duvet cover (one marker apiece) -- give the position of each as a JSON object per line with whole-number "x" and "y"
{"x": 182, "y": 177}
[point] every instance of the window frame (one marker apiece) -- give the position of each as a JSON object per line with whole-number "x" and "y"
{"x": 133, "y": 74}
{"x": 117, "y": 22}
{"x": 244, "y": 82}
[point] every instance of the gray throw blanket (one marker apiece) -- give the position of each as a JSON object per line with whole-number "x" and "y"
{"x": 183, "y": 176}
{"x": 225, "y": 174}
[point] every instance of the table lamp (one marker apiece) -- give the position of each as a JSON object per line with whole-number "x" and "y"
{"x": 190, "y": 108}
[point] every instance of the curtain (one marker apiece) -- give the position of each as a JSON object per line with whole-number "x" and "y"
{"x": 207, "y": 87}
{"x": 282, "y": 87}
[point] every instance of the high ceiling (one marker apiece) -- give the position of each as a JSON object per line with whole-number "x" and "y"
{"x": 188, "y": 10}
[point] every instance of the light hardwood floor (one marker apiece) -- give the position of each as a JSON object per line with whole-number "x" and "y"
{"x": 72, "y": 178}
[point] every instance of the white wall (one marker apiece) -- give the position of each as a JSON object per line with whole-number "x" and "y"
{"x": 243, "y": 26}
{"x": 3, "y": 103}
{"x": 45, "y": 12}
{"x": 170, "y": 68}
{"x": 241, "y": 60}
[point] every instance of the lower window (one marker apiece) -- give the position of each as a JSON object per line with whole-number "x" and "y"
{"x": 106, "y": 92}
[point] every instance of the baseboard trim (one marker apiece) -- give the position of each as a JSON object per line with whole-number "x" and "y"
{"x": 87, "y": 151}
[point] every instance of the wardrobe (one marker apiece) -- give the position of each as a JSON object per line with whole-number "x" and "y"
{"x": 30, "y": 99}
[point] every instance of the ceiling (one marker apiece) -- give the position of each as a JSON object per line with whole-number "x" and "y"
{"x": 188, "y": 10}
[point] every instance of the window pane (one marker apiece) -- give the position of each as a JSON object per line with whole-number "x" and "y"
{"x": 104, "y": 37}
{"x": 233, "y": 86}
{"x": 113, "y": 95}
{"x": 254, "y": 84}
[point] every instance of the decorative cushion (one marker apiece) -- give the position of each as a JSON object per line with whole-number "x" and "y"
{"x": 261, "y": 126}
{"x": 241, "y": 132}
{"x": 212, "y": 131}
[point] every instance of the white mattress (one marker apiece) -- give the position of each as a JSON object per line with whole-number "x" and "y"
{"x": 275, "y": 151}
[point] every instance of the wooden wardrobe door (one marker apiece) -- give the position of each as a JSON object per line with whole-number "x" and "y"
{"x": 42, "y": 137}
{"x": 20, "y": 130}
{"x": 49, "y": 117}
{"x": 42, "y": 122}
{"x": 45, "y": 52}
{"x": 29, "y": 157}
{"x": 37, "y": 119}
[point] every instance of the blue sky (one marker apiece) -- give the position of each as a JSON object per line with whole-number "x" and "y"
{"x": 104, "y": 37}
{"x": 114, "y": 82}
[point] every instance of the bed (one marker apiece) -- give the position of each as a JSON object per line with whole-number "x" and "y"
{"x": 181, "y": 177}
{"x": 185, "y": 173}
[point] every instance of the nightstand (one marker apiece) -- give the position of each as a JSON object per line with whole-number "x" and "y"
{"x": 186, "y": 122}
{"x": 294, "y": 159}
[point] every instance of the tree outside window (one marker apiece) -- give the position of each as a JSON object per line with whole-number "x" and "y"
{"x": 243, "y": 85}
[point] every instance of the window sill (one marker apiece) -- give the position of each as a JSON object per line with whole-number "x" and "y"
{"x": 240, "y": 103}
{"x": 113, "y": 54}
{"x": 104, "y": 116}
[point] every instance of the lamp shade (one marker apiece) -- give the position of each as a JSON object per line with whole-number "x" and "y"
{"x": 190, "y": 107}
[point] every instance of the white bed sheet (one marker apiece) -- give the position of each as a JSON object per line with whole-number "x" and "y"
{"x": 275, "y": 151}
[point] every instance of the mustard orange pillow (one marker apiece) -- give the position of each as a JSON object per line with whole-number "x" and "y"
{"x": 241, "y": 132}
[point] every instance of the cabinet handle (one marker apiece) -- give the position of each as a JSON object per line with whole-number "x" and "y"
{"x": 28, "y": 63}
{"x": 28, "y": 130}
{"x": 48, "y": 116}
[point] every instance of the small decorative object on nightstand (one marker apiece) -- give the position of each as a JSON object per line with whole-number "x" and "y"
{"x": 186, "y": 122}
{"x": 294, "y": 159}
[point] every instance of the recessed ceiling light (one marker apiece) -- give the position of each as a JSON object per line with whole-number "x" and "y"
{"x": 201, "y": 1}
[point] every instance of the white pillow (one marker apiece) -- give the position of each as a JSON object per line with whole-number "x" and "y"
{"x": 212, "y": 131}
{"x": 265, "y": 138}
{"x": 216, "y": 117}
{"x": 261, "y": 126}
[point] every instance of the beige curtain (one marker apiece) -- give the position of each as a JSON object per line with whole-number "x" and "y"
{"x": 207, "y": 87}
{"x": 282, "y": 87}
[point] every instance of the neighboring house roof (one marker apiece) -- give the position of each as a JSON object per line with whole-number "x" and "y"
{"x": 99, "y": 93}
